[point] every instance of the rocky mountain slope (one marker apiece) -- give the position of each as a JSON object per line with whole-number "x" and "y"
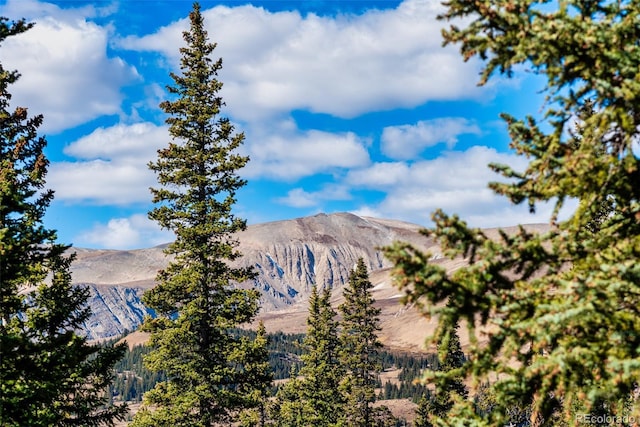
{"x": 289, "y": 257}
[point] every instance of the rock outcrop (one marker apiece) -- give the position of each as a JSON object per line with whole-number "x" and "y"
{"x": 291, "y": 256}
{"x": 115, "y": 310}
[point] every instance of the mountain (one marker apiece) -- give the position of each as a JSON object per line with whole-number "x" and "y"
{"x": 289, "y": 256}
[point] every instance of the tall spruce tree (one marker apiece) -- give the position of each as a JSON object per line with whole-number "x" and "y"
{"x": 259, "y": 376}
{"x": 359, "y": 346}
{"x": 560, "y": 308}
{"x": 49, "y": 375}
{"x": 197, "y": 298}
{"x": 314, "y": 398}
{"x": 321, "y": 370}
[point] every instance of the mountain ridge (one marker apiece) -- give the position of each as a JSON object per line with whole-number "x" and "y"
{"x": 289, "y": 256}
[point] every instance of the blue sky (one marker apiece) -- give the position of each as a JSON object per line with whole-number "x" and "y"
{"x": 346, "y": 106}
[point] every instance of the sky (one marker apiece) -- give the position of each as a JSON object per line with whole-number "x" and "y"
{"x": 347, "y": 106}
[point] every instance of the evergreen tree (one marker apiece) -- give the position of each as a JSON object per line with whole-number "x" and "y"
{"x": 259, "y": 377}
{"x": 559, "y": 308}
{"x": 451, "y": 360}
{"x": 315, "y": 398}
{"x": 321, "y": 370}
{"x": 49, "y": 375}
{"x": 359, "y": 348}
{"x": 449, "y": 380}
{"x": 605, "y": 208}
{"x": 209, "y": 366}
{"x": 290, "y": 410}
{"x": 424, "y": 412}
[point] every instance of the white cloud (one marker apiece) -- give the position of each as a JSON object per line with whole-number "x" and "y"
{"x": 100, "y": 182}
{"x": 453, "y": 170}
{"x": 299, "y": 198}
{"x": 367, "y": 211}
{"x": 344, "y": 65}
{"x": 135, "y": 141}
{"x": 111, "y": 166}
{"x": 136, "y": 231}
{"x": 292, "y": 155}
{"x": 33, "y": 9}
{"x": 456, "y": 183}
{"x": 66, "y": 73}
{"x": 408, "y": 141}
{"x": 379, "y": 175}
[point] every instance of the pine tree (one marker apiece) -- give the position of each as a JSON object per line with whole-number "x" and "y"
{"x": 290, "y": 410}
{"x": 424, "y": 411}
{"x": 449, "y": 380}
{"x": 321, "y": 369}
{"x": 258, "y": 378}
{"x": 605, "y": 209}
{"x": 359, "y": 346}
{"x": 312, "y": 395}
{"x": 559, "y": 308}
{"x": 49, "y": 375}
{"x": 208, "y": 364}
{"x": 451, "y": 360}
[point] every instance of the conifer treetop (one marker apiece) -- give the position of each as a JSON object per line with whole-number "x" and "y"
{"x": 214, "y": 374}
